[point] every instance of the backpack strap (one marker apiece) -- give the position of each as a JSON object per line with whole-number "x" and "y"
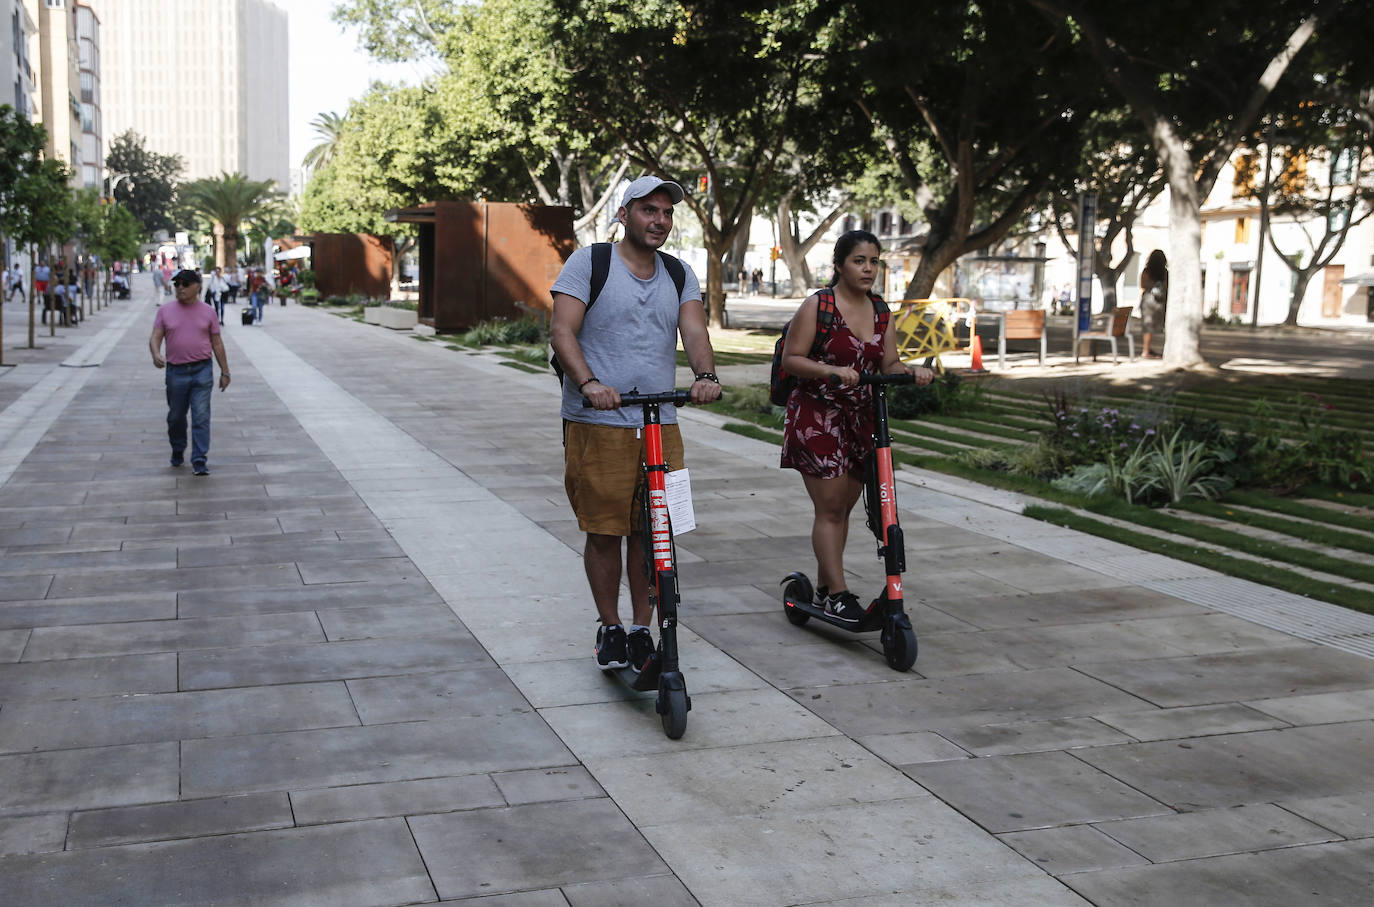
{"x": 884, "y": 313}
{"x": 675, "y": 269}
{"x": 825, "y": 317}
{"x": 601, "y": 269}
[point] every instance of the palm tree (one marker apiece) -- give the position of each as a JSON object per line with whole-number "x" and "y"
{"x": 227, "y": 200}
{"x": 329, "y": 129}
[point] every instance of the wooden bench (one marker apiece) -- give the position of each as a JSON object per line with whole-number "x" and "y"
{"x": 1115, "y": 328}
{"x": 1021, "y": 324}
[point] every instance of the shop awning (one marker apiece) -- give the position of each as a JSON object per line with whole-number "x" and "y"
{"x": 292, "y": 254}
{"x": 1360, "y": 280}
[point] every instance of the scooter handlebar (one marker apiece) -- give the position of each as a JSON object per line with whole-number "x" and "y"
{"x": 875, "y": 378}
{"x": 673, "y": 397}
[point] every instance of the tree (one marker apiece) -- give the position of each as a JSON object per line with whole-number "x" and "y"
{"x": 707, "y": 90}
{"x": 1196, "y": 84}
{"x": 519, "y": 111}
{"x": 1121, "y": 169}
{"x": 978, "y": 105}
{"x": 150, "y": 191}
{"x": 329, "y": 129}
{"x": 42, "y": 202}
{"x": 227, "y": 201}
{"x": 395, "y": 32}
{"x": 1344, "y": 198}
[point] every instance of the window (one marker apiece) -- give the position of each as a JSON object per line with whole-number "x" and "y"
{"x": 1343, "y": 170}
{"x": 1242, "y": 229}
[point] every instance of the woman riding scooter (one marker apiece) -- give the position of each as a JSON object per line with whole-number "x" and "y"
{"x": 828, "y": 431}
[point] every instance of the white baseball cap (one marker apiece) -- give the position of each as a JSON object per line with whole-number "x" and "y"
{"x": 647, "y": 185}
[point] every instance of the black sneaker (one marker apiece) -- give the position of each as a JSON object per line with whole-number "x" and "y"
{"x": 845, "y": 606}
{"x": 178, "y": 458}
{"x": 200, "y": 469}
{"x": 640, "y": 644}
{"x": 822, "y": 593}
{"x": 610, "y": 648}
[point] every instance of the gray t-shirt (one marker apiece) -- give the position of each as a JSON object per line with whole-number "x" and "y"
{"x": 628, "y": 337}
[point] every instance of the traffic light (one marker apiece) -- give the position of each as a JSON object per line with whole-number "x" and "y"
{"x": 775, "y": 253}
{"x": 703, "y": 183}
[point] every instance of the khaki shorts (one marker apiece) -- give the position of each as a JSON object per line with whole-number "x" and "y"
{"x": 601, "y": 469}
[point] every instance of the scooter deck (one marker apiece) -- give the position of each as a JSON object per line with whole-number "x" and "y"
{"x": 873, "y": 617}
{"x": 646, "y": 680}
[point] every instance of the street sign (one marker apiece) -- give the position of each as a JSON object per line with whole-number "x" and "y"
{"x": 1087, "y": 221}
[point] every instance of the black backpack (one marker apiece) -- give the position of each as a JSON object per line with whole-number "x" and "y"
{"x": 780, "y": 383}
{"x": 601, "y": 269}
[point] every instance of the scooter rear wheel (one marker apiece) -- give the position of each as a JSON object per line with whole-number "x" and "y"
{"x": 797, "y": 590}
{"x": 899, "y": 647}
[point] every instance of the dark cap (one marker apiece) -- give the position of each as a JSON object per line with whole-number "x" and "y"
{"x": 186, "y": 275}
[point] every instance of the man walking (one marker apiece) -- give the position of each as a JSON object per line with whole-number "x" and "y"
{"x": 624, "y": 338}
{"x": 14, "y": 283}
{"x": 216, "y": 290}
{"x": 192, "y": 335}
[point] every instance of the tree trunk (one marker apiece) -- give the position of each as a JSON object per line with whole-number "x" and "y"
{"x": 1301, "y": 278}
{"x": 1183, "y": 315}
{"x": 716, "y": 247}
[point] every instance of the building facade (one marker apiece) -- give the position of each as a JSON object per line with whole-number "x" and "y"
{"x": 205, "y": 79}
{"x": 88, "y": 94}
{"x": 15, "y": 68}
{"x": 54, "y": 54}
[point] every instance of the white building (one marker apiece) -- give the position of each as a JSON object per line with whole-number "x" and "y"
{"x": 15, "y": 66}
{"x": 205, "y": 79}
{"x": 88, "y": 73}
{"x": 1231, "y": 252}
{"x": 55, "y": 58}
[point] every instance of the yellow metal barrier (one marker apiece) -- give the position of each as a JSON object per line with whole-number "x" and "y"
{"x": 924, "y": 328}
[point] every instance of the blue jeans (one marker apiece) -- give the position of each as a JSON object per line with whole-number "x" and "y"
{"x": 257, "y": 306}
{"x": 188, "y": 388}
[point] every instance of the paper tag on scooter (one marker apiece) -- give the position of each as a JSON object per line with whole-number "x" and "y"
{"x": 679, "y": 488}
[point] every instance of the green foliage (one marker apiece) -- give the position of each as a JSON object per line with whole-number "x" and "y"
{"x": 948, "y": 393}
{"x": 1270, "y": 454}
{"x": 329, "y": 129}
{"x": 150, "y": 190}
{"x": 503, "y": 332}
{"x": 36, "y": 203}
{"x": 307, "y": 277}
{"x": 228, "y": 200}
{"x": 110, "y": 230}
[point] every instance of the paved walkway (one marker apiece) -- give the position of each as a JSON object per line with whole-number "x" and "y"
{"x": 353, "y": 667}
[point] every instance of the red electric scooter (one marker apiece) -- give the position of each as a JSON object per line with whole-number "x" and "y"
{"x": 886, "y": 612}
{"x": 661, "y": 671}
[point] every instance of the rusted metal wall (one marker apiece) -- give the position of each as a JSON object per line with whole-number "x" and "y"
{"x": 346, "y": 263}
{"x": 478, "y": 259}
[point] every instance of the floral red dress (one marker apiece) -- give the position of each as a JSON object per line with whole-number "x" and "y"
{"x": 828, "y": 431}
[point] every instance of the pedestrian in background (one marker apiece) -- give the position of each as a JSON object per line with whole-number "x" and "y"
{"x": 234, "y": 277}
{"x": 216, "y": 291}
{"x": 191, "y": 332}
{"x": 257, "y": 289}
{"x": 14, "y": 283}
{"x": 1154, "y": 298}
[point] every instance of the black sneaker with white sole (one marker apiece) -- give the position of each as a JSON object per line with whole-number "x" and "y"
{"x": 640, "y": 645}
{"x": 845, "y": 606}
{"x": 610, "y": 648}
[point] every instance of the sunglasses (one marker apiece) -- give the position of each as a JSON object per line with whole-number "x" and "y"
{"x": 182, "y": 283}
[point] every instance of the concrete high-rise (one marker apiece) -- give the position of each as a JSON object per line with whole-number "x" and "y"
{"x": 55, "y": 58}
{"x": 88, "y": 73}
{"x": 205, "y": 79}
{"x": 16, "y": 71}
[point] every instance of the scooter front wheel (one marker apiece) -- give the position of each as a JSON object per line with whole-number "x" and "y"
{"x": 899, "y": 646}
{"x": 673, "y": 705}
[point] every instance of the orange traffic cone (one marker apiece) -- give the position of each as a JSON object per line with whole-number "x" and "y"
{"x": 975, "y": 348}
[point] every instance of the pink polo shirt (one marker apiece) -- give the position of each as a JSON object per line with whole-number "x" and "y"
{"x": 187, "y": 327}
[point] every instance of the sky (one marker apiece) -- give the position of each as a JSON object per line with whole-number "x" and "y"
{"x": 327, "y": 69}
